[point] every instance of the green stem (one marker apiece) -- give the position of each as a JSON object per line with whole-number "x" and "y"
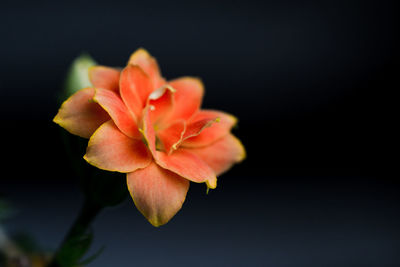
{"x": 88, "y": 213}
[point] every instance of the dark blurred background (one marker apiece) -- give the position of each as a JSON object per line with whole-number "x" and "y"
{"x": 310, "y": 82}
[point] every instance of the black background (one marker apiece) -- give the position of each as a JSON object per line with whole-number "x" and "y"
{"x": 309, "y": 82}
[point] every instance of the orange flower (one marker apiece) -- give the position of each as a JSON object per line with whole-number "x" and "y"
{"x": 154, "y": 131}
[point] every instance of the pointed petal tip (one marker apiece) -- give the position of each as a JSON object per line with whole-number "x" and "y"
{"x": 243, "y": 155}
{"x": 188, "y": 166}
{"x": 153, "y": 221}
{"x": 139, "y": 53}
{"x": 95, "y": 164}
{"x": 234, "y": 119}
{"x": 156, "y": 222}
{"x": 62, "y": 123}
{"x": 222, "y": 154}
{"x": 79, "y": 115}
{"x": 211, "y": 183}
{"x": 148, "y": 63}
{"x": 141, "y": 50}
{"x": 189, "y": 79}
{"x": 220, "y": 121}
{"x": 56, "y": 119}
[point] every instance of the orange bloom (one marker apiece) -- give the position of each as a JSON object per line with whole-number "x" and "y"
{"x": 154, "y": 131}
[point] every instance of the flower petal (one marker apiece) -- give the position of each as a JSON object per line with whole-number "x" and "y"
{"x": 143, "y": 59}
{"x": 117, "y": 110}
{"x": 104, "y": 77}
{"x": 157, "y": 193}
{"x": 188, "y": 97}
{"x": 175, "y": 138}
{"x": 135, "y": 87}
{"x": 208, "y": 135}
{"x": 79, "y": 115}
{"x": 161, "y": 103}
{"x": 170, "y": 137}
{"x": 222, "y": 154}
{"x": 109, "y": 149}
{"x": 147, "y": 131}
{"x": 188, "y": 165}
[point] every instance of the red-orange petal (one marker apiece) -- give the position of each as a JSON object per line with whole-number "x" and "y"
{"x": 143, "y": 59}
{"x": 79, "y": 115}
{"x": 188, "y": 97}
{"x": 117, "y": 110}
{"x": 222, "y": 154}
{"x": 187, "y": 131}
{"x": 161, "y": 103}
{"x": 135, "y": 87}
{"x": 109, "y": 149}
{"x": 147, "y": 131}
{"x": 187, "y": 165}
{"x": 105, "y": 77}
{"x": 170, "y": 137}
{"x": 157, "y": 193}
{"x": 208, "y": 135}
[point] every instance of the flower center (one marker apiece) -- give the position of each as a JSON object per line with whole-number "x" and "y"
{"x": 159, "y": 145}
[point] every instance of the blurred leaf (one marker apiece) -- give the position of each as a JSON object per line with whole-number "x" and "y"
{"x": 78, "y": 76}
{"x": 93, "y": 257}
{"x": 102, "y": 187}
{"x": 26, "y": 242}
{"x": 74, "y": 249}
{"x": 6, "y": 210}
{"x": 106, "y": 188}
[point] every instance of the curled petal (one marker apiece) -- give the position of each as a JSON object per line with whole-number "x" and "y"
{"x": 135, "y": 87}
{"x": 171, "y": 137}
{"x": 196, "y": 127}
{"x": 144, "y": 60}
{"x": 222, "y": 154}
{"x": 104, "y": 77}
{"x": 208, "y": 135}
{"x": 79, "y": 115}
{"x": 114, "y": 106}
{"x": 188, "y": 96}
{"x": 187, "y": 165}
{"x": 109, "y": 149}
{"x": 161, "y": 104}
{"x": 187, "y": 131}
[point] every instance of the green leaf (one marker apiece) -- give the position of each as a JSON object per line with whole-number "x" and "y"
{"x": 78, "y": 76}
{"x": 93, "y": 257}
{"x": 26, "y": 242}
{"x": 74, "y": 249}
{"x": 101, "y": 187}
{"x": 107, "y": 188}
